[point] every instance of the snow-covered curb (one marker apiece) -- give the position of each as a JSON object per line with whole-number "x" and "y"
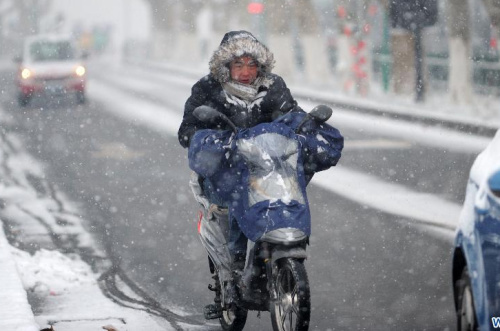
{"x": 14, "y": 307}
{"x": 71, "y": 297}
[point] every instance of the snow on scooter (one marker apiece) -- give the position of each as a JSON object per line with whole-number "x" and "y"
{"x": 262, "y": 172}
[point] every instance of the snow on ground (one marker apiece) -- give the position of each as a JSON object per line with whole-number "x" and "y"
{"x": 72, "y": 297}
{"x": 14, "y": 308}
{"x": 121, "y": 104}
{"x": 63, "y": 285}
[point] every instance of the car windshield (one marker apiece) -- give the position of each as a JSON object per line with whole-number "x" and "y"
{"x": 51, "y": 51}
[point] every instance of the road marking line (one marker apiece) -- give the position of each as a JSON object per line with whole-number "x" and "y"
{"x": 376, "y": 144}
{"x": 117, "y": 151}
{"x": 389, "y": 197}
{"x": 138, "y": 111}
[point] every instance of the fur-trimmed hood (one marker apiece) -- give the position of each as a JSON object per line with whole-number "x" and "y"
{"x": 236, "y": 44}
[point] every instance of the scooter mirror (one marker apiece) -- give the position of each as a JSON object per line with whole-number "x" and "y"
{"x": 321, "y": 113}
{"x": 210, "y": 115}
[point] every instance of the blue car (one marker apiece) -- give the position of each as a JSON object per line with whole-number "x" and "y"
{"x": 476, "y": 257}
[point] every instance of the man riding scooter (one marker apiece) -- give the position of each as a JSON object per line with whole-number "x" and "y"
{"x": 241, "y": 86}
{"x": 254, "y": 150}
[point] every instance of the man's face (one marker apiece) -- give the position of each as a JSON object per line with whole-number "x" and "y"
{"x": 244, "y": 70}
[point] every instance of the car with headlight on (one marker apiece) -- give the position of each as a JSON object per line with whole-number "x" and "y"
{"x": 52, "y": 66}
{"x": 476, "y": 257}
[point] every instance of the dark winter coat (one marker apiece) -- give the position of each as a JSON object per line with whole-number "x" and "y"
{"x": 272, "y": 100}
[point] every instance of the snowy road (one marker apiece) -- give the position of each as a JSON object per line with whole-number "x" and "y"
{"x": 119, "y": 160}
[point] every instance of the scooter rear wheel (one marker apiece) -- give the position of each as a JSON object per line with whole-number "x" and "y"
{"x": 233, "y": 319}
{"x": 291, "y": 311}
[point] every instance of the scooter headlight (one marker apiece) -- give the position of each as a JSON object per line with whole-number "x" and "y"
{"x": 284, "y": 236}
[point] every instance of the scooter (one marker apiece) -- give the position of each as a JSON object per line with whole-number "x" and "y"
{"x": 273, "y": 214}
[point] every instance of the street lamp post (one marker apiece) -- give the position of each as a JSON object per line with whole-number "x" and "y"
{"x": 420, "y": 88}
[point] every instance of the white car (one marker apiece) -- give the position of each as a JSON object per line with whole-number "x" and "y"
{"x": 50, "y": 65}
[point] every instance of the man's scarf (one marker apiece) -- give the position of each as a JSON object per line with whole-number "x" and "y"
{"x": 244, "y": 92}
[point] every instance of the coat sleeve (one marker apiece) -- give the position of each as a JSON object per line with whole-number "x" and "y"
{"x": 281, "y": 100}
{"x": 191, "y": 124}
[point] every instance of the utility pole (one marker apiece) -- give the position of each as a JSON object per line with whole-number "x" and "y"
{"x": 460, "y": 64}
{"x": 298, "y": 49}
{"x": 419, "y": 59}
{"x": 386, "y": 53}
{"x": 34, "y": 17}
{"x": 2, "y": 46}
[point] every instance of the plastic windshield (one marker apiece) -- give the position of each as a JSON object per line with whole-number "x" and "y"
{"x": 272, "y": 162}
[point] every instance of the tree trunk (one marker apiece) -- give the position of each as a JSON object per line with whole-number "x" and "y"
{"x": 280, "y": 37}
{"x": 162, "y": 36}
{"x": 403, "y": 65}
{"x": 310, "y": 44}
{"x": 460, "y": 66}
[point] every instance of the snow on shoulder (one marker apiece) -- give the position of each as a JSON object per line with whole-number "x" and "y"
{"x": 14, "y": 307}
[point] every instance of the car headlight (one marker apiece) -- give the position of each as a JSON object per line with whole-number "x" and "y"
{"x": 80, "y": 71}
{"x": 26, "y": 73}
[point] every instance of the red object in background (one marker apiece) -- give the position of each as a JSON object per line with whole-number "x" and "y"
{"x": 341, "y": 12}
{"x": 255, "y": 8}
{"x": 347, "y": 31}
{"x": 493, "y": 43}
{"x": 372, "y": 10}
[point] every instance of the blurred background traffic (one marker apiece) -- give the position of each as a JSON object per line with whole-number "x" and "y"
{"x": 361, "y": 47}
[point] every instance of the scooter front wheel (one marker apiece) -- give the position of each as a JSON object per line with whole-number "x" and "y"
{"x": 291, "y": 309}
{"x": 233, "y": 319}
